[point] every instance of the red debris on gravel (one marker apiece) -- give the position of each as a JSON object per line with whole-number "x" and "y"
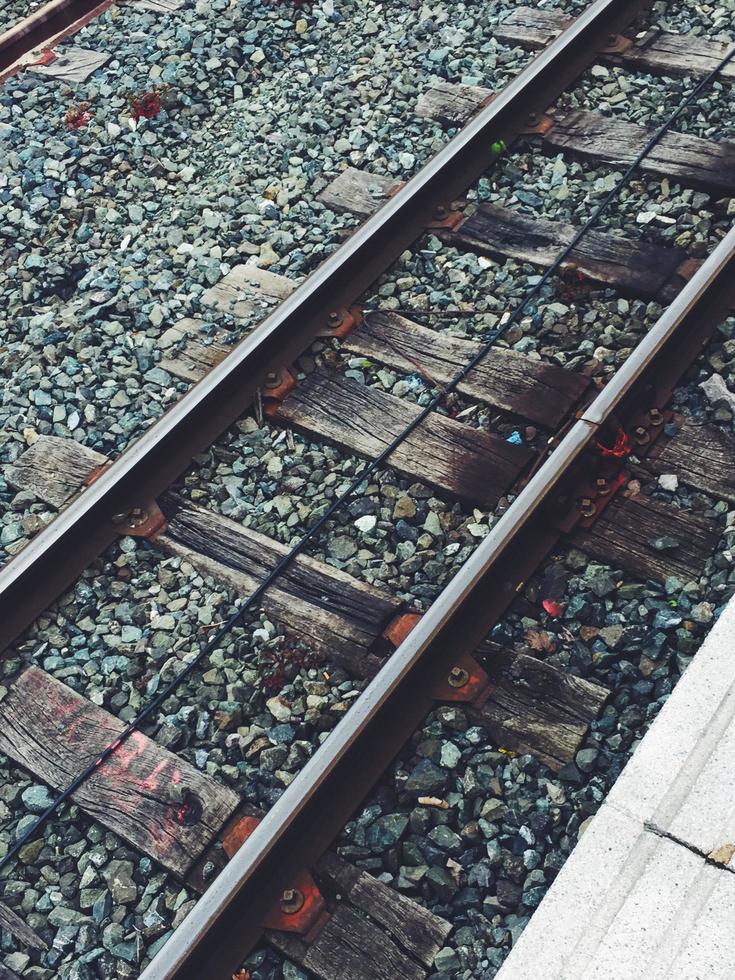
{"x": 78, "y": 115}
{"x": 553, "y": 608}
{"x": 147, "y": 105}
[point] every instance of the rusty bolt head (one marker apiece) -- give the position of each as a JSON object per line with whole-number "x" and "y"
{"x": 335, "y": 318}
{"x": 291, "y": 901}
{"x": 440, "y": 212}
{"x": 137, "y": 516}
{"x": 458, "y": 677}
{"x": 273, "y": 379}
{"x": 586, "y": 506}
{"x": 602, "y": 486}
{"x": 641, "y": 435}
{"x": 655, "y": 417}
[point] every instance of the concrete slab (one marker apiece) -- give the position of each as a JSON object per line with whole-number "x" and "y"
{"x": 681, "y": 779}
{"x": 639, "y": 899}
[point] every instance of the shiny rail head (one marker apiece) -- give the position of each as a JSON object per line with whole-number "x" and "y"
{"x": 172, "y": 962}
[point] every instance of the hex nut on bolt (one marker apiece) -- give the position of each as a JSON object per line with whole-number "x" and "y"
{"x": 291, "y": 901}
{"x": 458, "y": 677}
{"x": 587, "y": 507}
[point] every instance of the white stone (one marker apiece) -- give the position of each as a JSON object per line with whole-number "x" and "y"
{"x": 366, "y": 523}
{"x": 668, "y": 481}
{"x": 717, "y": 392}
{"x": 279, "y": 710}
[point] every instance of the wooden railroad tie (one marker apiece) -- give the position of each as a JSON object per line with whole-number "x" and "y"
{"x": 339, "y": 617}
{"x": 183, "y": 819}
{"x": 638, "y": 268}
{"x": 678, "y": 55}
{"x": 690, "y": 160}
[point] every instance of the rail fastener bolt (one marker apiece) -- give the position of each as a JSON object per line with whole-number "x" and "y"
{"x": 335, "y": 318}
{"x": 458, "y": 677}
{"x": 655, "y": 417}
{"x": 292, "y": 901}
{"x": 642, "y": 436}
{"x": 586, "y": 507}
{"x": 130, "y": 518}
{"x": 273, "y": 379}
{"x": 602, "y": 487}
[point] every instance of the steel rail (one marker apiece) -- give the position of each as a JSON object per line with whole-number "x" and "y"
{"x": 50, "y": 24}
{"x": 224, "y": 924}
{"x": 56, "y": 556}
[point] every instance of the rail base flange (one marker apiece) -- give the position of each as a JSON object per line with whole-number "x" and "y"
{"x": 301, "y": 908}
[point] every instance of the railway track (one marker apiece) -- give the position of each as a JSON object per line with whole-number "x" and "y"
{"x": 569, "y": 488}
{"x": 26, "y": 40}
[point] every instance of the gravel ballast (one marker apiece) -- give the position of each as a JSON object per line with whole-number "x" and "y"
{"x": 250, "y": 717}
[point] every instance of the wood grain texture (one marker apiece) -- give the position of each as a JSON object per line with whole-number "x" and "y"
{"x": 191, "y": 347}
{"x": 464, "y": 462}
{"x": 374, "y": 933}
{"x": 678, "y": 55}
{"x": 451, "y": 104}
{"x": 534, "y": 708}
{"x": 191, "y": 351}
{"x": 531, "y": 28}
{"x": 54, "y": 469}
{"x": 350, "y": 947}
{"x": 693, "y": 161}
{"x": 248, "y": 288}
{"x": 336, "y": 615}
{"x": 622, "y": 537}
{"x": 419, "y": 932}
{"x": 54, "y": 733}
{"x": 636, "y": 267}
{"x": 11, "y": 921}
{"x": 702, "y": 456}
{"x": 357, "y": 192}
{"x": 535, "y": 390}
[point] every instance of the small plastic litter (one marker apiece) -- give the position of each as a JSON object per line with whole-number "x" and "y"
{"x": 553, "y": 608}
{"x": 515, "y": 439}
